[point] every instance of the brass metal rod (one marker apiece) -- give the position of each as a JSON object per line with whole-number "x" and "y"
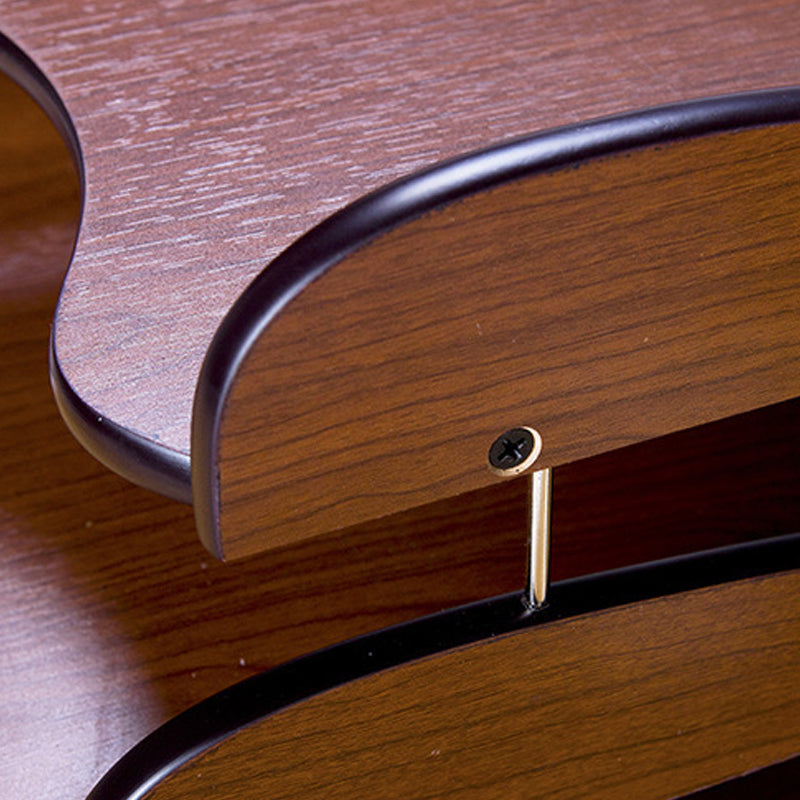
{"x": 540, "y": 493}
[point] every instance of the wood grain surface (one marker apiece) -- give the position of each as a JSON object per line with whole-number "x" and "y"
{"x": 629, "y": 298}
{"x": 649, "y": 701}
{"x": 112, "y": 616}
{"x": 214, "y": 134}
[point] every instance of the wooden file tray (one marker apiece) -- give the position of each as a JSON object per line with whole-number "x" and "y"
{"x": 192, "y": 184}
{"x": 710, "y": 356}
{"x": 637, "y": 682}
{"x": 210, "y": 141}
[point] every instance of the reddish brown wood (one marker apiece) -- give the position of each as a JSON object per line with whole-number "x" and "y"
{"x": 214, "y": 134}
{"x": 635, "y": 296}
{"x": 649, "y": 701}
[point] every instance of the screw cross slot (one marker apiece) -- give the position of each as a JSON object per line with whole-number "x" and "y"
{"x": 514, "y": 451}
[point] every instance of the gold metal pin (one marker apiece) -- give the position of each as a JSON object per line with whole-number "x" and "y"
{"x": 540, "y": 494}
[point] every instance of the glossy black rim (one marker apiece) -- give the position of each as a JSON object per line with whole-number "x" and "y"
{"x": 327, "y": 244}
{"x": 130, "y": 455}
{"x": 213, "y": 720}
{"x": 15, "y": 63}
{"x": 133, "y": 457}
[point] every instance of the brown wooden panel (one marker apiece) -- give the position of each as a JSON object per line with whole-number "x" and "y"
{"x": 215, "y": 133}
{"x": 635, "y": 296}
{"x": 650, "y": 701}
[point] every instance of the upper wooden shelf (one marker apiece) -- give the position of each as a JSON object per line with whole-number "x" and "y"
{"x": 213, "y": 135}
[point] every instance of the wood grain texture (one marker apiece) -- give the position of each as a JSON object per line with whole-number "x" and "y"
{"x": 113, "y": 618}
{"x": 214, "y": 134}
{"x": 637, "y": 295}
{"x": 650, "y": 701}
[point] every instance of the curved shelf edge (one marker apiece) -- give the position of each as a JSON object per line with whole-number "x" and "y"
{"x": 325, "y": 245}
{"x": 130, "y": 455}
{"x": 174, "y": 474}
{"x": 15, "y": 63}
{"x": 215, "y": 719}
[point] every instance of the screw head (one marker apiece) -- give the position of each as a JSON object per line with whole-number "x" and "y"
{"x": 514, "y": 451}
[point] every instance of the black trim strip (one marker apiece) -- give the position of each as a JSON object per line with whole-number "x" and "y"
{"x": 215, "y": 719}
{"x": 15, "y": 63}
{"x": 127, "y": 453}
{"x": 133, "y": 457}
{"x": 325, "y": 245}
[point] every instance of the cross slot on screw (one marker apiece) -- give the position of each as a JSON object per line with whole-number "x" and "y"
{"x": 514, "y": 451}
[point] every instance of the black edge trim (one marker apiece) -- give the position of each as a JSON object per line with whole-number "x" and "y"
{"x": 322, "y": 247}
{"x": 127, "y": 453}
{"x": 213, "y": 720}
{"x": 768, "y": 783}
{"x": 130, "y": 455}
{"x": 15, "y": 63}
